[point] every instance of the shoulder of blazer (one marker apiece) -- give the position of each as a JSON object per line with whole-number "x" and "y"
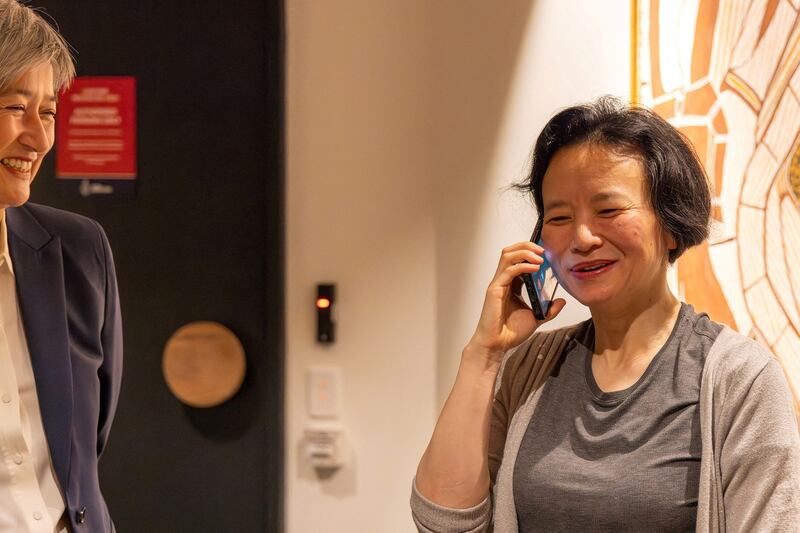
{"x": 60, "y": 222}
{"x": 37, "y": 224}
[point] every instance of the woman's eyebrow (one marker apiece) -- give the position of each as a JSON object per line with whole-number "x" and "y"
{"x": 27, "y": 94}
{"x": 555, "y": 204}
{"x": 604, "y": 196}
{"x": 599, "y": 197}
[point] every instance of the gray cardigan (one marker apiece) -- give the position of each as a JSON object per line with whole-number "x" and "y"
{"x": 750, "y": 462}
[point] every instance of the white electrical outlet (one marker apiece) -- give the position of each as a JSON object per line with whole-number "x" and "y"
{"x": 324, "y": 391}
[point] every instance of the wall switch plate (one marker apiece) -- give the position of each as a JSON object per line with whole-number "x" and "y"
{"x": 324, "y": 391}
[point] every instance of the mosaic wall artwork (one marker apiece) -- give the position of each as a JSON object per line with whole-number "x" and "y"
{"x": 725, "y": 72}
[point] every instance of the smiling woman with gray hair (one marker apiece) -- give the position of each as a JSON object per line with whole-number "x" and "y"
{"x": 60, "y": 326}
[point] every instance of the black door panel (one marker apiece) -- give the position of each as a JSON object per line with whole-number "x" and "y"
{"x": 202, "y": 239}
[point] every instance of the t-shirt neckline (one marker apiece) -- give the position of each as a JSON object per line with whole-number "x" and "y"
{"x": 613, "y": 398}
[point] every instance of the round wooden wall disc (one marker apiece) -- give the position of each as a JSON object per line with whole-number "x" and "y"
{"x": 203, "y": 364}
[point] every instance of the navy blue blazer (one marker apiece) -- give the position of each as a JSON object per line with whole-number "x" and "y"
{"x": 67, "y": 292}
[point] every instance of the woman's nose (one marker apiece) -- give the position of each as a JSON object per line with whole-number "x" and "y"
{"x": 584, "y": 239}
{"x": 36, "y": 134}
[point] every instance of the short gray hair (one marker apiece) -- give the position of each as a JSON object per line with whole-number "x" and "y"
{"x": 27, "y": 41}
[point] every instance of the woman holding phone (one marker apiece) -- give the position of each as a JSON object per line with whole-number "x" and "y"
{"x": 647, "y": 417}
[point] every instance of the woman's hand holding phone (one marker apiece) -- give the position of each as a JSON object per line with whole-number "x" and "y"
{"x": 454, "y": 471}
{"x": 506, "y": 320}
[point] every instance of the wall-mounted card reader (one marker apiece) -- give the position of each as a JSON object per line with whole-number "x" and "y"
{"x": 326, "y": 321}
{"x": 325, "y": 446}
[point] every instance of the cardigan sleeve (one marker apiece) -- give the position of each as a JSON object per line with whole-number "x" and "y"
{"x": 760, "y": 457}
{"x": 430, "y": 517}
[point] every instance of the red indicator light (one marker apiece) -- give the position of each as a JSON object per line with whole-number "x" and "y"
{"x": 323, "y": 303}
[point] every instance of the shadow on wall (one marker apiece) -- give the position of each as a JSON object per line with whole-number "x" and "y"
{"x": 477, "y": 55}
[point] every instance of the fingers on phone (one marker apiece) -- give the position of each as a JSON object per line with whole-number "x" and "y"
{"x": 520, "y": 256}
{"x": 511, "y": 257}
{"x": 507, "y": 275}
{"x": 524, "y": 245}
{"x": 518, "y": 259}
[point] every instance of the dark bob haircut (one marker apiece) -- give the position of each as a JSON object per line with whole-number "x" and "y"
{"x": 678, "y": 186}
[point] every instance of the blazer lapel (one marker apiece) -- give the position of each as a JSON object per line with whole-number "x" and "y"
{"x": 38, "y": 269}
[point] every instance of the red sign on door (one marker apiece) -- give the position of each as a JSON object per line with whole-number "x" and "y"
{"x": 96, "y": 129}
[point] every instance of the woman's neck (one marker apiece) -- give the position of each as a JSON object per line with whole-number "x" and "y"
{"x": 635, "y": 330}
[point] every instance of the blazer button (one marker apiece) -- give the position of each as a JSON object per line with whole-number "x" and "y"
{"x": 81, "y": 516}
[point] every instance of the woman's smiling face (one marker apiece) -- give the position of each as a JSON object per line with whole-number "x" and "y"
{"x": 600, "y": 231}
{"x": 27, "y": 128}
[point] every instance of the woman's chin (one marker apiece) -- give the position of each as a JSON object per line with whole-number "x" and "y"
{"x": 13, "y": 198}
{"x": 594, "y": 299}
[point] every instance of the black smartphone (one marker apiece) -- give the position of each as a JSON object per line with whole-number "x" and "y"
{"x": 541, "y": 285}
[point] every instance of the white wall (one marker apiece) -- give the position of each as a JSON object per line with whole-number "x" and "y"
{"x": 405, "y": 121}
{"x": 360, "y": 213}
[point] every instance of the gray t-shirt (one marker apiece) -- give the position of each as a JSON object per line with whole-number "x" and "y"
{"x": 621, "y": 461}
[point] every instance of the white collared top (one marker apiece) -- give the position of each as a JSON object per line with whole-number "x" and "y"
{"x": 30, "y": 496}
